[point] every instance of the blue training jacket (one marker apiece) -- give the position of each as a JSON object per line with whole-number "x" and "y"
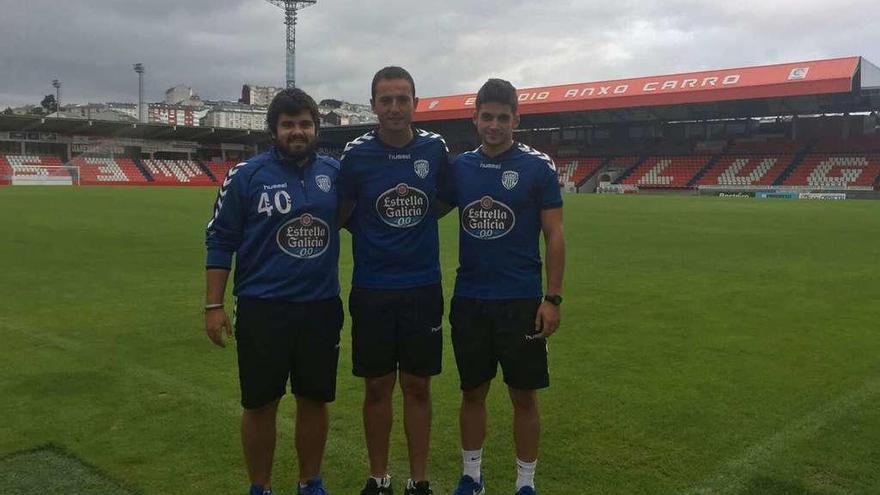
{"x": 394, "y": 224}
{"x": 500, "y": 200}
{"x": 279, "y": 221}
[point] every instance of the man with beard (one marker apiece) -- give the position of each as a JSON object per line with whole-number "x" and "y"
{"x": 276, "y": 213}
{"x": 388, "y": 185}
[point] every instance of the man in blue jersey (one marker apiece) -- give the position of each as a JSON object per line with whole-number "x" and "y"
{"x": 507, "y": 194}
{"x": 276, "y": 213}
{"x": 388, "y": 187}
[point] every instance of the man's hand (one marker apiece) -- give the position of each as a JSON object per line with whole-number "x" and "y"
{"x": 216, "y": 322}
{"x": 547, "y": 320}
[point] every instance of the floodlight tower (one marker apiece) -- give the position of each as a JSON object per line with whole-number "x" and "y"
{"x": 290, "y": 7}
{"x": 142, "y": 110}
{"x": 57, "y": 85}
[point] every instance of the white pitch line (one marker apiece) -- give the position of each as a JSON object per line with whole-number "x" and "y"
{"x": 734, "y": 475}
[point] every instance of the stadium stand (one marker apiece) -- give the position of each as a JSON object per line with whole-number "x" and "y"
{"x": 746, "y": 170}
{"x": 97, "y": 171}
{"x": 33, "y": 166}
{"x": 219, "y": 169}
{"x": 577, "y": 170}
{"x": 808, "y": 130}
{"x": 666, "y": 172}
{"x": 821, "y": 170}
{"x": 177, "y": 172}
{"x": 624, "y": 162}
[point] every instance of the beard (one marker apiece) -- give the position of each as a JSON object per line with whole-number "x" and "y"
{"x": 297, "y": 155}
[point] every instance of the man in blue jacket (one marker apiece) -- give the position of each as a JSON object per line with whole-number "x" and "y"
{"x": 276, "y": 214}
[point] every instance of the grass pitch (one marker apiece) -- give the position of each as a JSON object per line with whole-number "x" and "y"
{"x": 708, "y": 345}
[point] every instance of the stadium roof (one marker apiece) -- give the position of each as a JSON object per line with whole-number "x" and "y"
{"x": 821, "y": 86}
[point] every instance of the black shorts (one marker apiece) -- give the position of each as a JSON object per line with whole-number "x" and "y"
{"x": 277, "y": 340}
{"x": 396, "y": 329}
{"x": 487, "y": 332}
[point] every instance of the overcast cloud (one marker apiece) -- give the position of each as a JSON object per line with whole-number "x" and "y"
{"x": 450, "y": 46}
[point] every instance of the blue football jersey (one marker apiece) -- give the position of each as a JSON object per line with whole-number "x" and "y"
{"x": 500, "y": 200}
{"x": 394, "y": 225}
{"x": 279, "y": 220}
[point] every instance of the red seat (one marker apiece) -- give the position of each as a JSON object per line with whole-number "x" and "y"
{"x": 822, "y": 170}
{"x": 103, "y": 171}
{"x": 177, "y": 173}
{"x": 667, "y": 172}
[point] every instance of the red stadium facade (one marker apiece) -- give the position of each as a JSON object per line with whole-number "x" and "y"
{"x": 772, "y": 81}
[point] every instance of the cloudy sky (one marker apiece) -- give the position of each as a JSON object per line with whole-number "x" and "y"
{"x": 450, "y": 46}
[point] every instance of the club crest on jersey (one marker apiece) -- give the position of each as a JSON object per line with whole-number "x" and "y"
{"x": 487, "y": 219}
{"x": 304, "y": 237}
{"x": 402, "y": 206}
{"x": 421, "y": 168}
{"x": 509, "y": 179}
{"x": 323, "y": 182}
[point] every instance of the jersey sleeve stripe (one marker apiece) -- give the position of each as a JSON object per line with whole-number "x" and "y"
{"x": 221, "y": 194}
{"x": 357, "y": 142}
{"x": 543, "y": 156}
{"x": 433, "y": 135}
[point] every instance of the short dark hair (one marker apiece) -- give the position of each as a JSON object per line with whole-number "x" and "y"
{"x": 392, "y": 72}
{"x": 291, "y": 101}
{"x": 498, "y": 91}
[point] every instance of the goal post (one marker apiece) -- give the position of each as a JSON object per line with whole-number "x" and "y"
{"x": 45, "y": 175}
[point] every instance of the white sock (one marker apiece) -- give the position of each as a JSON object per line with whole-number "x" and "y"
{"x": 471, "y": 461}
{"x": 382, "y": 481}
{"x": 525, "y": 473}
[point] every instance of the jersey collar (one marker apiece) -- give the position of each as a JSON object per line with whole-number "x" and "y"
{"x": 501, "y": 156}
{"x": 415, "y": 135}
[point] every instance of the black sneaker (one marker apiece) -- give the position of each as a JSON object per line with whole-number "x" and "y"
{"x": 373, "y": 488}
{"x": 420, "y": 488}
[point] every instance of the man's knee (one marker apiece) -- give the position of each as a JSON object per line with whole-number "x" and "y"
{"x": 476, "y": 396}
{"x": 417, "y": 388}
{"x": 524, "y": 400}
{"x": 268, "y": 408}
{"x": 378, "y": 390}
{"x": 310, "y": 405}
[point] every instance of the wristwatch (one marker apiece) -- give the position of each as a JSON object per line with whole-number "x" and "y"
{"x": 554, "y": 299}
